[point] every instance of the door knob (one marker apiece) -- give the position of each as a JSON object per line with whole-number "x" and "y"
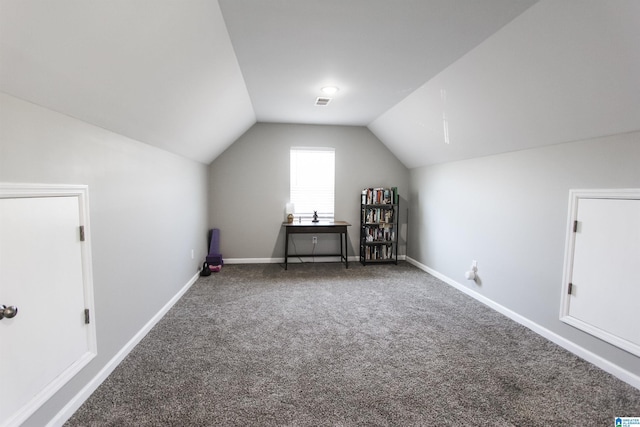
{"x": 8, "y": 312}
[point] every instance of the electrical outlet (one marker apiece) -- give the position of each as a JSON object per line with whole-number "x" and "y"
{"x": 193, "y": 254}
{"x": 314, "y": 240}
{"x": 474, "y": 264}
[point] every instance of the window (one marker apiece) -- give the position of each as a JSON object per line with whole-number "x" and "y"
{"x": 313, "y": 181}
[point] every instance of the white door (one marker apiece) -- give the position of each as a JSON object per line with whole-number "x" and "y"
{"x": 42, "y": 274}
{"x": 605, "y": 286}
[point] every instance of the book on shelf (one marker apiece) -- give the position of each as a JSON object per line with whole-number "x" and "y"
{"x": 378, "y": 253}
{"x": 379, "y": 234}
{"x": 378, "y": 216}
{"x": 379, "y": 196}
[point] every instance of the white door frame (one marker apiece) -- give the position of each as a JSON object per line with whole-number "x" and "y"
{"x": 574, "y": 197}
{"x": 19, "y": 190}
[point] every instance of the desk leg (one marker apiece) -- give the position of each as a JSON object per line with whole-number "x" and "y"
{"x": 346, "y": 250}
{"x": 286, "y": 248}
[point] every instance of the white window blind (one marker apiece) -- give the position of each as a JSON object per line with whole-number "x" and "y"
{"x": 313, "y": 181}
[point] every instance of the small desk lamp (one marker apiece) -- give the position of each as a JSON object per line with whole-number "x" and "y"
{"x": 289, "y": 210}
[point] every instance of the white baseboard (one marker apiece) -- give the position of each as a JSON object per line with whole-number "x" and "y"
{"x": 292, "y": 260}
{"x": 253, "y": 260}
{"x": 602, "y": 363}
{"x": 72, "y": 406}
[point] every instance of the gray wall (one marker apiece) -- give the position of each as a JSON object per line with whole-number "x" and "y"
{"x": 250, "y": 186}
{"x": 148, "y": 209}
{"x": 509, "y": 212}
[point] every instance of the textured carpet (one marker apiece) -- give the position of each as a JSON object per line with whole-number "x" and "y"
{"x": 255, "y": 345}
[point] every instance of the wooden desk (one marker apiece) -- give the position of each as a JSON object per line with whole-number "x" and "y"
{"x": 322, "y": 227}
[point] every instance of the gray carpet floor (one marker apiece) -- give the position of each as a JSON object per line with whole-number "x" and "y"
{"x": 319, "y": 345}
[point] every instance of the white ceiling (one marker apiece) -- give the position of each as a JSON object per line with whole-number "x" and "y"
{"x": 376, "y": 51}
{"x": 159, "y": 71}
{"x": 562, "y": 71}
{"x": 191, "y": 76}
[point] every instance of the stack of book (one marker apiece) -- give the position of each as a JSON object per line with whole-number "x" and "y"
{"x": 380, "y": 196}
{"x": 378, "y": 253}
{"x": 378, "y": 234}
{"x": 378, "y": 216}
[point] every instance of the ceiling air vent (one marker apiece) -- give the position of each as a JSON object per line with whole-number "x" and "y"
{"x": 322, "y": 101}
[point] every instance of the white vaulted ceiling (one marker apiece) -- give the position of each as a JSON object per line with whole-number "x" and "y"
{"x": 159, "y": 71}
{"x": 191, "y": 76}
{"x": 562, "y": 71}
{"x": 377, "y": 52}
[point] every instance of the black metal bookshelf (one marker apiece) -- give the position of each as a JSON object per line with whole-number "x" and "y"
{"x": 379, "y": 225}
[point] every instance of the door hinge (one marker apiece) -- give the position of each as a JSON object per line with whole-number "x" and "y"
{"x": 87, "y": 319}
{"x": 570, "y": 288}
{"x": 575, "y": 226}
{"x": 82, "y": 233}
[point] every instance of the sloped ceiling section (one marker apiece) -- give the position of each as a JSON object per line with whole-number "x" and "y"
{"x": 561, "y": 71}
{"x": 192, "y": 76}
{"x": 376, "y": 51}
{"x": 162, "y": 72}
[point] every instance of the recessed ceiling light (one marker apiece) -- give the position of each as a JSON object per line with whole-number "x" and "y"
{"x": 329, "y": 89}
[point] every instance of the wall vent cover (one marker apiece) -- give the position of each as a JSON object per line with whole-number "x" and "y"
{"x": 322, "y": 101}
